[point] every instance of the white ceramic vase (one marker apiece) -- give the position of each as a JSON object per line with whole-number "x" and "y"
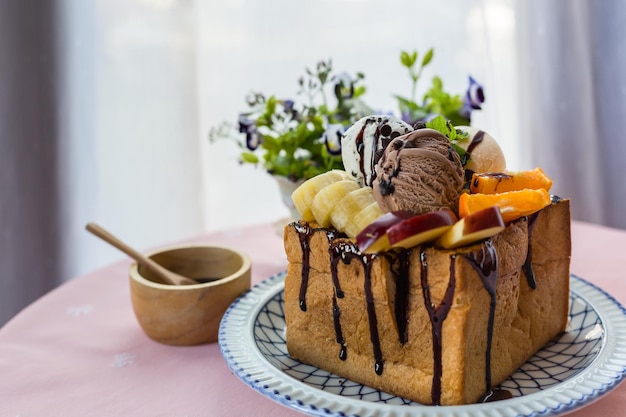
{"x": 287, "y": 187}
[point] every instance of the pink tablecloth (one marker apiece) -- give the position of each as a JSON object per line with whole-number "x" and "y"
{"x": 78, "y": 351}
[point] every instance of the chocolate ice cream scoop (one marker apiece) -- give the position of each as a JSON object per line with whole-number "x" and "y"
{"x": 419, "y": 172}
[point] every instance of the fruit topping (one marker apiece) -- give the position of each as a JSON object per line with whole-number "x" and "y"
{"x": 335, "y": 199}
{"x": 420, "y": 229}
{"x": 303, "y": 195}
{"x": 327, "y": 198}
{"x": 474, "y": 227}
{"x": 403, "y": 187}
{"x": 374, "y": 238}
{"x": 500, "y": 182}
{"x": 512, "y": 204}
{"x": 355, "y": 211}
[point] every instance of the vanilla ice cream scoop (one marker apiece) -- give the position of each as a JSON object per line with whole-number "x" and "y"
{"x": 485, "y": 155}
{"x": 419, "y": 172}
{"x": 363, "y": 143}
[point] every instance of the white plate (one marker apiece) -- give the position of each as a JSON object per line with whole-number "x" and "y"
{"x": 586, "y": 362}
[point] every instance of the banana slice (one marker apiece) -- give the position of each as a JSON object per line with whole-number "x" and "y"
{"x": 303, "y": 195}
{"x": 366, "y": 217}
{"x": 327, "y": 198}
{"x": 345, "y": 215}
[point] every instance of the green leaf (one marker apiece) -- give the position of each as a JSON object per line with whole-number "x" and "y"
{"x": 439, "y": 123}
{"x": 458, "y": 120}
{"x": 270, "y": 106}
{"x": 462, "y": 153}
{"x": 405, "y": 59}
{"x": 445, "y": 127}
{"x": 359, "y": 91}
{"x": 271, "y": 144}
{"x": 437, "y": 84}
{"x": 406, "y": 104}
{"x": 249, "y": 157}
{"x": 428, "y": 57}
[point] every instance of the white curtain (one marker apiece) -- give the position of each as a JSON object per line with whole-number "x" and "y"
{"x": 128, "y": 126}
{"x": 99, "y": 119}
{"x": 572, "y": 67}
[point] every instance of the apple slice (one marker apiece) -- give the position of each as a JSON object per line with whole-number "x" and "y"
{"x": 420, "y": 229}
{"x": 373, "y": 238}
{"x": 472, "y": 228}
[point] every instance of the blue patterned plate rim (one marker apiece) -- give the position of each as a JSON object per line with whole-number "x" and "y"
{"x": 603, "y": 369}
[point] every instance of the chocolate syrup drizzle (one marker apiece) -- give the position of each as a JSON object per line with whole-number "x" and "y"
{"x": 528, "y": 263}
{"x": 437, "y": 316}
{"x": 371, "y": 316}
{"x": 337, "y": 253}
{"x": 360, "y": 147}
{"x": 399, "y": 262}
{"x": 484, "y": 261}
{"x": 346, "y": 252}
{"x": 476, "y": 140}
{"x": 383, "y": 131}
{"x": 497, "y": 175}
{"x": 343, "y": 352}
{"x": 527, "y": 268}
{"x": 304, "y": 233}
{"x": 496, "y": 395}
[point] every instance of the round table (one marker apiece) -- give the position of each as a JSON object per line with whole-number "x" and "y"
{"x": 78, "y": 350}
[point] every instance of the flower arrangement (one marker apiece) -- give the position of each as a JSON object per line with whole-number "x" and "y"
{"x": 436, "y": 101}
{"x": 299, "y": 141}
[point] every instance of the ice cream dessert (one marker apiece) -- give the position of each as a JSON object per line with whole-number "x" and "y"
{"x": 363, "y": 142}
{"x": 484, "y": 153}
{"x": 419, "y": 172}
{"x": 423, "y": 280}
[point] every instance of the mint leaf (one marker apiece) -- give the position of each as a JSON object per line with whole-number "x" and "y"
{"x": 439, "y": 124}
{"x": 462, "y": 153}
{"x": 446, "y": 128}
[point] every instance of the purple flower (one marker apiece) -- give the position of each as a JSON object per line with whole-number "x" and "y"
{"x": 288, "y": 106}
{"x": 248, "y": 126}
{"x": 406, "y": 117}
{"x": 344, "y": 86}
{"x": 474, "y": 98}
{"x": 332, "y": 138}
{"x": 415, "y": 117}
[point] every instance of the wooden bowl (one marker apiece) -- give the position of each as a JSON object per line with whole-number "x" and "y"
{"x": 188, "y": 314}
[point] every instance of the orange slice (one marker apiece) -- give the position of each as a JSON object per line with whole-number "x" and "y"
{"x": 512, "y": 204}
{"x": 500, "y": 182}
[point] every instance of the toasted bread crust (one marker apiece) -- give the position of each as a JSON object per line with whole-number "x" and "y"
{"x": 373, "y": 318}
